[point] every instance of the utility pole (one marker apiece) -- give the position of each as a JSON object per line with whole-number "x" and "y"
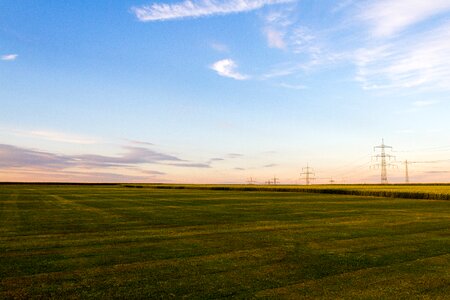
{"x": 309, "y": 173}
{"x": 408, "y": 162}
{"x": 383, "y": 164}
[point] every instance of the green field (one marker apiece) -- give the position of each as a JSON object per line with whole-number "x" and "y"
{"x": 69, "y": 241}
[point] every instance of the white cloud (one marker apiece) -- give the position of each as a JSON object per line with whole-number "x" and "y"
{"x": 9, "y": 57}
{"x": 219, "y": 47}
{"x": 344, "y": 4}
{"x": 303, "y": 41}
{"x": 292, "y": 86}
{"x": 421, "y": 60}
{"x": 277, "y": 23}
{"x": 227, "y": 68}
{"x": 275, "y": 38}
{"x": 388, "y": 17}
{"x": 282, "y": 70}
{"x": 423, "y": 103}
{"x": 52, "y": 136}
{"x": 195, "y": 9}
{"x": 283, "y": 31}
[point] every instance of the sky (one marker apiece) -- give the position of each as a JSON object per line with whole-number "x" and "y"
{"x": 213, "y": 91}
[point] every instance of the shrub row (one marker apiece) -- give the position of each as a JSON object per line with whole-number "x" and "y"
{"x": 340, "y": 191}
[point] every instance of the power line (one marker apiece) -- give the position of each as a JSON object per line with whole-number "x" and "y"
{"x": 430, "y": 149}
{"x": 407, "y": 163}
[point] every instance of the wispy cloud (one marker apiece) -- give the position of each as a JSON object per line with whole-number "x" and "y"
{"x": 18, "y": 157}
{"x": 303, "y": 40}
{"x": 424, "y": 103}
{"x": 275, "y": 38}
{"x": 269, "y": 165}
{"x": 227, "y": 68}
{"x": 9, "y": 57}
{"x": 215, "y": 159}
{"x": 292, "y": 86}
{"x": 234, "y": 155}
{"x": 387, "y": 17}
{"x": 131, "y": 156}
{"x": 219, "y": 47}
{"x": 305, "y": 47}
{"x": 196, "y": 9}
{"x": 341, "y": 5}
{"x": 60, "y": 137}
{"x": 14, "y": 157}
{"x": 143, "y": 143}
{"x": 190, "y": 165}
{"x": 277, "y": 23}
{"x": 283, "y": 31}
{"x": 422, "y": 60}
{"x": 51, "y": 135}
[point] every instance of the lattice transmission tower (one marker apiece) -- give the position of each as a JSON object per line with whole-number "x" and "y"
{"x": 251, "y": 181}
{"x": 406, "y": 171}
{"x": 308, "y": 174}
{"x": 275, "y": 180}
{"x": 382, "y": 157}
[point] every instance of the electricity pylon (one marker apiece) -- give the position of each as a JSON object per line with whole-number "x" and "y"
{"x": 383, "y": 164}
{"x": 251, "y": 181}
{"x": 406, "y": 171}
{"x": 309, "y": 173}
{"x": 275, "y": 180}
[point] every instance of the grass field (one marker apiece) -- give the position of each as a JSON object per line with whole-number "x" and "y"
{"x": 118, "y": 242}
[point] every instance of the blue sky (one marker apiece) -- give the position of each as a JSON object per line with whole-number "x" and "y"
{"x": 220, "y": 91}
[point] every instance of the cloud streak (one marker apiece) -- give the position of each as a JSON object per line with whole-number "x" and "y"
{"x": 424, "y": 103}
{"x": 190, "y": 165}
{"x": 9, "y": 57}
{"x": 17, "y": 157}
{"x": 422, "y": 60}
{"x": 196, "y": 9}
{"x": 387, "y": 18}
{"x": 60, "y": 137}
{"x": 227, "y": 68}
{"x": 275, "y": 38}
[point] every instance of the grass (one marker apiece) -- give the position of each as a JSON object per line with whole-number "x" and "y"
{"x": 66, "y": 241}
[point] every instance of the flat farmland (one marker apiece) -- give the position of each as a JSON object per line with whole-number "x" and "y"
{"x": 94, "y": 241}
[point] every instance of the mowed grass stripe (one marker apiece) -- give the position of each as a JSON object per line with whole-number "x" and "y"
{"x": 10, "y": 218}
{"x": 88, "y": 256}
{"x": 400, "y": 280}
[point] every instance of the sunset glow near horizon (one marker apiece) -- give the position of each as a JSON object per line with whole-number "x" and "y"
{"x": 220, "y": 91}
